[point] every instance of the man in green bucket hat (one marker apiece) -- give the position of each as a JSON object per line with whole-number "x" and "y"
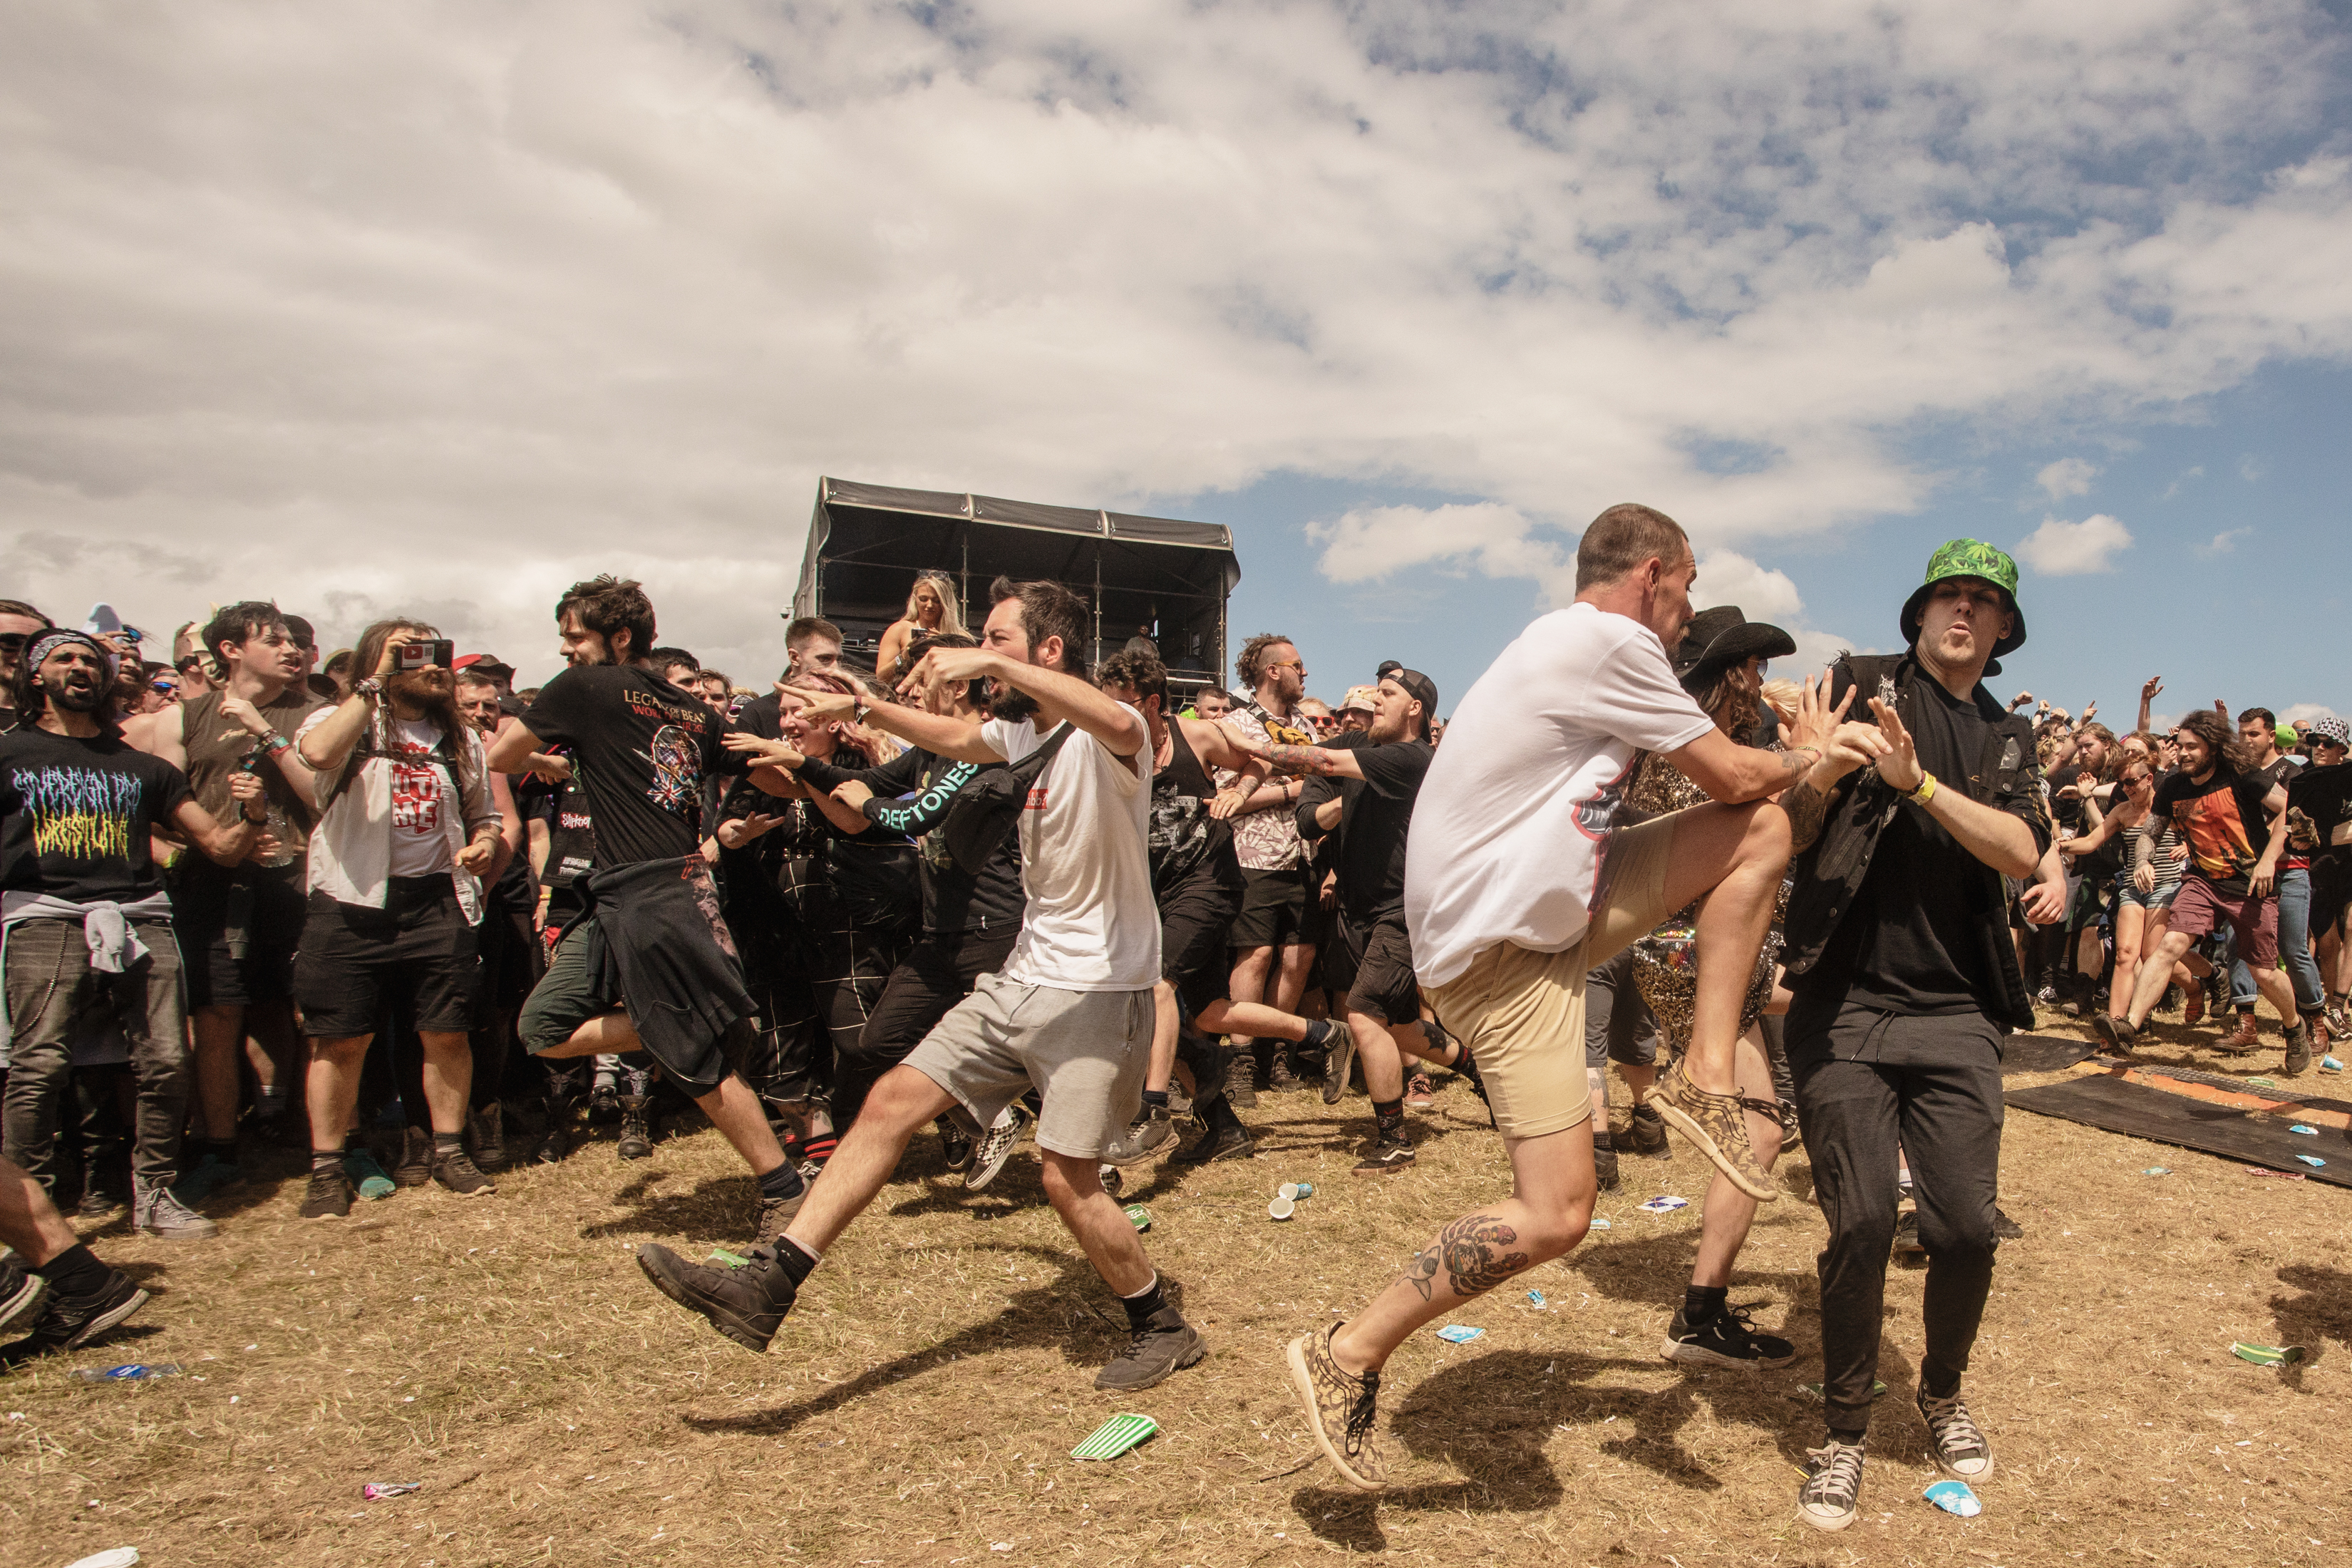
{"x": 1906, "y": 983}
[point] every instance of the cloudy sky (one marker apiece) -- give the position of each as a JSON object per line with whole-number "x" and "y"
{"x": 434, "y": 307}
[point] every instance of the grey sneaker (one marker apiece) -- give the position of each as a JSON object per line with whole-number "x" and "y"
{"x": 1150, "y": 1130}
{"x": 156, "y": 1212}
{"x": 1241, "y": 1081}
{"x": 1340, "y": 1409}
{"x": 21, "y": 1290}
{"x": 996, "y": 1148}
{"x": 1164, "y": 1345}
{"x": 1961, "y": 1449}
{"x": 2298, "y": 1048}
{"x": 1832, "y": 1488}
{"x": 1341, "y": 1056}
{"x": 769, "y": 1217}
{"x": 458, "y": 1173}
{"x": 486, "y": 1130}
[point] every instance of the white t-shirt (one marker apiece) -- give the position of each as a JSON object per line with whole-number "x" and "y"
{"x": 1512, "y": 821}
{"x": 1091, "y": 923}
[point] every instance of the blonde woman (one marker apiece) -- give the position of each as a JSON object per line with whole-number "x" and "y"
{"x": 931, "y": 608}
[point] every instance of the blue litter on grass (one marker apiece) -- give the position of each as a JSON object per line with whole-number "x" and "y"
{"x": 1663, "y": 1205}
{"x": 1537, "y": 1297}
{"x": 1457, "y": 1333}
{"x": 2311, "y": 1159}
{"x": 136, "y": 1371}
{"x": 2329, "y": 1064}
{"x": 2307, "y": 1131}
{"x": 1954, "y": 1497}
{"x": 2157, "y": 1171}
{"x": 1599, "y": 1224}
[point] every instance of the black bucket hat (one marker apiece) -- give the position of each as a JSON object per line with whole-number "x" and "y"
{"x": 1723, "y": 637}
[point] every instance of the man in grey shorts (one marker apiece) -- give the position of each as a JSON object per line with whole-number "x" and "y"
{"x": 1071, "y": 1013}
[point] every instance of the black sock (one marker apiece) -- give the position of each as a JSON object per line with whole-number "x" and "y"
{"x": 1155, "y": 1100}
{"x": 76, "y": 1271}
{"x": 784, "y": 1182}
{"x": 1854, "y": 1438}
{"x": 1142, "y": 1305}
{"x": 796, "y": 1260}
{"x": 221, "y": 1149}
{"x": 1600, "y": 1138}
{"x": 326, "y": 1160}
{"x": 1319, "y": 1033}
{"x": 1389, "y": 1115}
{"x": 447, "y": 1143}
{"x": 1938, "y": 1384}
{"x": 1702, "y": 1302}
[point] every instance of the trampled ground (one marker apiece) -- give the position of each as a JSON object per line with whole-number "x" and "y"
{"x": 921, "y": 1405}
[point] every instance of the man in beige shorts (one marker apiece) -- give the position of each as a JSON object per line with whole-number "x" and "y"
{"x": 1515, "y": 888}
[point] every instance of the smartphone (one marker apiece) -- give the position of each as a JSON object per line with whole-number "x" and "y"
{"x": 438, "y": 651}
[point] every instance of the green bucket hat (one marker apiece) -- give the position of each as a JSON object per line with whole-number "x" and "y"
{"x": 1967, "y": 558}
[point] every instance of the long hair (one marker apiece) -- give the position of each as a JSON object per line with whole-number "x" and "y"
{"x": 1730, "y": 699}
{"x": 2229, "y": 752}
{"x": 2112, "y": 763}
{"x": 24, "y": 687}
{"x": 860, "y": 755}
{"x": 443, "y": 712}
{"x": 950, "y": 610}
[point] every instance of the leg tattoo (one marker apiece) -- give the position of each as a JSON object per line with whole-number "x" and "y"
{"x": 1472, "y": 1252}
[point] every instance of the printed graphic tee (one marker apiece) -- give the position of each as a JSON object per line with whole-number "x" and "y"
{"x": 75, "y": 815}
{"x": 422, "y": 795}
{"x": 640, "y": 749}
{"x": 2223, "y": 820}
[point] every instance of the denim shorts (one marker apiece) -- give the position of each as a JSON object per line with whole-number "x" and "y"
{"x": 2160, "y": 897}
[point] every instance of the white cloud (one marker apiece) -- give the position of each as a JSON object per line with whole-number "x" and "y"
{"x": 2195, "y": 472}
{"x": 2071, "y": 549}
{"x": 2067, "y": 477}
{"x": 1372, "y": 543}
{"x": 449, "y": 303}
{"x": 2224, "y": 542}
{"x": 2312, "y": 711}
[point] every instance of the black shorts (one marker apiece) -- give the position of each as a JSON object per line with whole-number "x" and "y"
{"x": 1374, "y": 968}
{"x": 2331, "y": 887}
{"x": 1195, "y": 918}
{"x": 1618, "y": 1025}
{"x": 418, "y": 948}
{"x": 239, "y": 928}
{"x": 512, "y": 960}
{"x": 1275, "y": 910}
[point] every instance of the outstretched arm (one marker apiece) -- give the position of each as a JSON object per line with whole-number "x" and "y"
{"x": 1315, "y": 762}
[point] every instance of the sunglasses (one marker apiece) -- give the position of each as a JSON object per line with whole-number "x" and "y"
{"x": 13, "y": 642}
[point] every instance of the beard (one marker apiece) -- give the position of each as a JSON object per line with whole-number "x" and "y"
{"x": 429, "y": 687}
{"x": 1010, "y": 705}
{"x": 77, "y": 697}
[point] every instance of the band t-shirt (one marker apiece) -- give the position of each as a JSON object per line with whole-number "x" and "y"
{"x": 75, "y": 815}
{"x": 421, "y": 795}
{"x": 2224, "y": 821}
{"x": 1373, "y": 856}
{"x": 640, "y": 749}
{"x": 1091, "y": 922}
{"x": 1508, "y": 846}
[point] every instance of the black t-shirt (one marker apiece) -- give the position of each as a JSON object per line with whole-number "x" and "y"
{"x": 2318, "y": 802}
{"x": 1372, "y": 855}
{"x": 2224, "y": 822}
{"x": 640, "y": 749}
{"x": 1913, "y": 941}
{"x": 75, "y": 815}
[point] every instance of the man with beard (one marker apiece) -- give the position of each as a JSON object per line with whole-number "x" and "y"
{"x": 85, "y": 923}
{"x": 19, "y": 624}
{"x": 1070, "y": 1013}
{"x": 1273, "y": 938}
{"x": 651, "y": 967}
{"x": 406, "y": 830}
{"x": 239, "y": 925}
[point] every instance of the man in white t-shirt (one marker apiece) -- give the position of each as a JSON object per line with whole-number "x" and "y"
{"x": 1515, "y": 888}
{"x": 1071, "y": 1013}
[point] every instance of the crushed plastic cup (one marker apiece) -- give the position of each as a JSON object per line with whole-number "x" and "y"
{"x": 119, "y": 1557}
{"x": 135, "y": 1372}
{"x": 1954, "y": 1497}
{"x": 1458, "y": 1333}
{"x": 2329, "y": 1064}
{"x": 2158, "y": 1171}
{"x": 376, "y": 1491}
{"x": 720, "y": 1255}
{"x": 1537, "y": 1297}
{"x": 2314, "y": 1161}
{"x": 1296, "y": 1190}
{"x": 1664, "y": 1203}
{"x": 1281, "y": 1208}
{"x": 1112, "y": 1178}
{"x": 1114, "y": 1436}
{"x": 2269, "y": 1355}
{"x": 1138, "y": 1216}
{"x": 2307, "y": 1131}
{"x": 1599, "y": 1222}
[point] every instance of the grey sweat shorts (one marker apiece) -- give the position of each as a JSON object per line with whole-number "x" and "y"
{"x": 1084, "y": 1051}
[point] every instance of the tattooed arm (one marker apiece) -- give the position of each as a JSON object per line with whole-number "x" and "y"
{"x": 1328, "y": 763}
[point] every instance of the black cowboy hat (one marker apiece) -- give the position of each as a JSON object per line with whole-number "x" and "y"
{"x": 1722, "y": 637}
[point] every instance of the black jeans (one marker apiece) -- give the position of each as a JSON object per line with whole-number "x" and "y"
{"x": 937, "y": 972}
{"x": 1868, "y": 1082}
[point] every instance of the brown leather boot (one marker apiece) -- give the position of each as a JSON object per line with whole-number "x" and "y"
{"x": 2240, "y": 1040}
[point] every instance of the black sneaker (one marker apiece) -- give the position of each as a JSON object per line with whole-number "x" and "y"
{"x": 955, "y": 1144}
{"x": 2298, "y": 1048}
{"x": 486, "y": 1130}
{"x": 1241, "y": 1081}
{"x": 2006, "y": 1228}
{"x": 1229, "y": 1143}
{"x": 1392, "y": 1154}
{"x": 1339, "y": 1055}
{"x": 1166, "y": 1344}
{"x": 996, "y": 1146}
{"x": 1832, "y": 1488}
{"x": 414, "y": 1167}
{"x": 329, "y": 1195}
{"x": 746, "y": 1304}
{"x": 1959, "y": 1447}
{"x": 1649, "y": 1131}
{"x": 71, "y": 1322}
{"x": 1279, "y": 1078}
{"x": 2118, "y": 1033}
{"x": 1604, "y": 1168}
{"x": 636, "y": 1137}
{"x": 1727, "y": 1339}
{"x": 554, "y": 1144}
{"x": 457, "y": 1170}
{"x": 21, "y": 1290}
{"x": 98, "y": 1206}
{"x": 1908, "y": 1248}
{"x": 1146, "y": 1133}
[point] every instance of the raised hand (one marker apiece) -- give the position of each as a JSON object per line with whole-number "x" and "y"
{"x": 777, "y": 752}
{"x": 1899, "y": 765}
{"x": 2152, "y": 688}
{"x": 827, "y": 708}
{"x": 1816, "y": 719}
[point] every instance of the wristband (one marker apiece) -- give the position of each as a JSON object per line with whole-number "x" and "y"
{"x": 273, "y": 742}
{"x": 369, "y": 688}
{"x": 1926, "y": 789}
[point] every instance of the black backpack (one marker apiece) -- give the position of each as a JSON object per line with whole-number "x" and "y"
{"x": 987, "y": 807}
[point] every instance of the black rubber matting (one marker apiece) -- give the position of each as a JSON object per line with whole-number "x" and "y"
{"x": 2042, "y": 1053}
{"x": 2250, "y": 1137}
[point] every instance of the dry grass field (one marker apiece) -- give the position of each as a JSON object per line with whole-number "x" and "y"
{"x": 920, "y": 1405}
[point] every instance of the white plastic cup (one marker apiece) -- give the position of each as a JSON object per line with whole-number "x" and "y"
{"x": 1281, "y": 1208}
{"x": 1296, "y": 1190}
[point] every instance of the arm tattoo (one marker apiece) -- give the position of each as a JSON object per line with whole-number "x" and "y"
{"x": 1470, "y": 1250}
{"x": 1807, "y": 807}
{"x": 1295, "y": 759}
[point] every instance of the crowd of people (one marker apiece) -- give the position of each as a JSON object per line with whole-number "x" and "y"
{"x": 387, "y": 908}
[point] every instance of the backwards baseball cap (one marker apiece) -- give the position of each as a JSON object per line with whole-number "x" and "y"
{"x": 1423, "y": 689}
{"x": 1967, "y": 558}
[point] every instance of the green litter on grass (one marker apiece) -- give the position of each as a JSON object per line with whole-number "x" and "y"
{"x": 1114, "y": 1436}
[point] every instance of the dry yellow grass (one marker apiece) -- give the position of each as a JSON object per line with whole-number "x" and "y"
{"x": 920, "y": 1405}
